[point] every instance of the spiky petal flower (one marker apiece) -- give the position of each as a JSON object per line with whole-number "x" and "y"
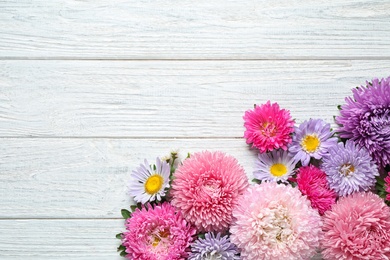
{"x": 312, "y": 183}
{"x": 357, "y": 227}
{"x": 150, "y": 182}
{"x": 206, "y": 189}
{"x": 214, "y": 247}
{"x": 277, "y": 165}
{"x": 311, "y": 139}
{"x": 349, "y": 168}
{"x": 157, "y": 233}
{"x": 274, "y": 221}
{"x": 365, "y": 118}
{"x": 268, "y": 127}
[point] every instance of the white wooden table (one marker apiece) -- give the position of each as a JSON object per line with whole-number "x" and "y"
{"x": 88, "y": 89}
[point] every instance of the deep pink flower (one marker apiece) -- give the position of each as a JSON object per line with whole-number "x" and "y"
{"x": 312, "y": 183}
{"x": 157, "y": 233}
{"x": 387, "y": 186}
{"x": 274, "y": 221}
{"x": 357, "y": 227}
{"x": 268, "y": 127}
{"x": 206, "y": 189}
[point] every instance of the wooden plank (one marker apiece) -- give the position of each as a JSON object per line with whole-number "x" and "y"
{"x": 59, "y": 239}
{"x": 85, "y": 178}
{"x": 219, "y": 29}
{"x": 167, "y": 98}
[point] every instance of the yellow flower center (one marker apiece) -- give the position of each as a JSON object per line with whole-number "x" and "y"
{"x": 347, "y": 169}
{"x": 153, "y": 184}
{"x": 278, "y": 169}
{"x": 310, "y": 143}
{"x": 160, "y": 236}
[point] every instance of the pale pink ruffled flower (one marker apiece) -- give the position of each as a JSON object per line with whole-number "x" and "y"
{"x": 312, "y": 182}
{"x": 268, "y": 127}
{"x": 157, "y": 233}
{"x": 206, "y": 189}
{"x": 274, "y": 221}
{"x": 357, "y": 227}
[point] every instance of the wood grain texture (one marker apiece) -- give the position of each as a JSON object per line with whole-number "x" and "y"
{"x": 86, "y": 178}
{"x": 203, "y": 29}
{"x": 59, "y": 239}
{"x": 167, "y": 98}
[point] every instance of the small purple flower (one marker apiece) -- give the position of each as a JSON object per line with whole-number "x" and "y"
{"x": 349, "y": 168}
{"x": 312, "y": 139}
{"x": 365, "y": 118}
{"x": 214, "y": 247}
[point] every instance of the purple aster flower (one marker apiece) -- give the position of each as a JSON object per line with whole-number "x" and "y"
{"x": 214, "y": 247}
{"x": 349, "y": 168}
{"x": 365, "y": 118}
{"x": 312, "y": 139}
{"x": 277, "y": 165}
{"x": 150, "y": 181}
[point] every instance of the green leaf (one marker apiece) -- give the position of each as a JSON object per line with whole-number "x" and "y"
{"x": 123, "y": 253}
{"x": 119, "y": 236}
{"x": 133, "y": 208}
{"x": 121, "y": 248}
{"x": 125, "y": 213}
{"x": 256, "y": 181}
{"x": 339, "y": 107}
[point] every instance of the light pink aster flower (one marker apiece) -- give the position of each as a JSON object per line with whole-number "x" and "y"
{"x": 274, "y": 221}
{"x": 312, "y": 182}
{"x": 357, "y": 227}
{"x": 268, "y": 127}
{"x": 206, "y": 189}
{"x": 157, "y": 233}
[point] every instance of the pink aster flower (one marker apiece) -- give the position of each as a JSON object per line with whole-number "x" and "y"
{"x": 268, "y": 127}
{"x": 275, "y": 221}
{"x": 206, "y": 189}
{"x": 357, "y": 227}
{"x": 157, "y": 233}
{"x": 312, "y": 183}
{"x": 387, "y": 186}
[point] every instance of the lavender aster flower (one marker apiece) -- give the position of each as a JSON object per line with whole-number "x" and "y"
{"x": 365, "y": 118}
{"x": 349, "y": 168}
{"x": 213, "y": 247}
{"x": 277, "y": 165}
{"x": 150, "y": 181}
{"x": 312, "y": 139}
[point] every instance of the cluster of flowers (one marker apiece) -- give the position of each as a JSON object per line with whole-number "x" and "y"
{"x": 315, "y": 189}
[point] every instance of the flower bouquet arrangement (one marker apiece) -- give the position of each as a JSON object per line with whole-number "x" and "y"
{"x": 315, "y": 189}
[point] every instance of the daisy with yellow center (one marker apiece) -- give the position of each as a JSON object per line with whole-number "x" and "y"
{"x": 312, "y": 139}
{"x": 150, "y": 181}
{"x": 277, "y": 165}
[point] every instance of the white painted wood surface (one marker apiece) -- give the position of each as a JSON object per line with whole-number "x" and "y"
{"x": 88, "y": 89}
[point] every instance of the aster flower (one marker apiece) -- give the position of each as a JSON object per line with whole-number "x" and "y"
{"x": 357, "y": 227}
{"x": 349, "y": 168}
{"x": 312, "y": 139}
{"x": 277, "y": 165}
{"x": 214, "y": 247}
{"x": 150, "y": 181}
{"x": 387, "y": 186}
{"x": 268, "y": 127}
{"x": 365, "y": 118}
{"x": 274, "y": 221}
{"x": 157, "y": 233}
{"x": 206, "y": 189}
{"x": 312, "y": 183}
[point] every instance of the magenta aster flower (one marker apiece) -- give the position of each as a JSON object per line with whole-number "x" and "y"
{"x": 214, "y": 247}
{"x": 157, "y": 233}
{"x": 349, "y": 168}
{"x": 365, "y": 118}
{"x": 206, "y": 189}
{"x": 311, "y": 139}
{"x": 357, "y": 227}
{"x": 312, "y": 183}
{"x": 268, "y": 127}
{"x": 277, "y": 165}
{"x": 274, "y": 221}
{"x": 387, "y": 186}
{"x": 150, "y": 181}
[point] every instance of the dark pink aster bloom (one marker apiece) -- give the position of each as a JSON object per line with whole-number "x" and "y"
{"x": 387, "y": 186}
{"x": 365, "y": 118}
{"x": 268, "y": 127}
{"x": 312, "y": 183}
